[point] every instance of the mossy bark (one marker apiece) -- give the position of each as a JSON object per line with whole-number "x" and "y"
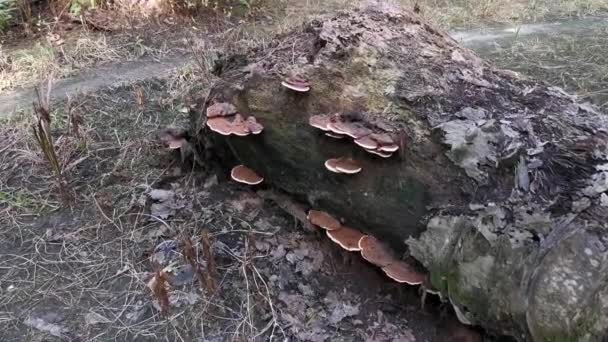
{"x": 498, "y": 188}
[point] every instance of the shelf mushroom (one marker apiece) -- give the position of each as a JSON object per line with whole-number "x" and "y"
{"x": 245, "y": 175}
{"x": 296, "y": 83}
{"x": 375, "y": 252}
{"x": 379, "y": 153}
{"x": 348, "y": 238}
{"x": 220, "y": 125}
{"x": 343, "y": 165}
{"x": 323, "y": 220}
{"x": 223, "y": 119}
{"x": 402, "y": 272}
{"x": 220, "y": 109}
{"x": 320, "y": 121}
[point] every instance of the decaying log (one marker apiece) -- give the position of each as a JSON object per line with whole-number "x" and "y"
{"x": 498, "y": 186}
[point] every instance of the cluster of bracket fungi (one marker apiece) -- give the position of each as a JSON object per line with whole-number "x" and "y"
{"x": 224, "y": 119}
{"x": 370, "y": 248}
{"x": 380, "y": 144}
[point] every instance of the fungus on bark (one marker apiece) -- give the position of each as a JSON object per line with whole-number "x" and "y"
{"x": 367, "y": 143}
{"x": 320, "y": 121}
{"x": 389, "y": 148}
{"x": 296, "y": 83}
{"x": 382, "y": 138}
{"x": 220, "y": 109}
{"x": 173, "y": 138}
{"x": 343, "y": 165}
{"x": 375, "y": 252}
{"x": 220, "y": 125}
{"x": 239, "y": 126}
{"x": 323, "y": 220}
{"x": 243, "y": 174}
{"x": 355, "y": 130}
{"x": 402, "y": 272}
{"x": 253, "y": 125}
{"x": 334, "y": 135}
{"x": 348, "y": 238}
{"x": 379, "y": 153}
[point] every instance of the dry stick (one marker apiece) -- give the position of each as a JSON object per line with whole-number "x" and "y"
{"x": 211, "y": 266}
{"x": 190, "y": 256}
{"x": 288, "y": 205}
{"x": 159, "y": 290}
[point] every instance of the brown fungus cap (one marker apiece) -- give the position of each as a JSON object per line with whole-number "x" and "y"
{"x": 239, "y": 126}
{"x": 380, "y": 153}
{"x": 173, "y": 137}
{"x": 323, "y": 220}
{"x": 355, "y": 130}
{"x": 389, "y": 148}
{"x": 243, "y": 174}
{"x": 220, "y": 109}
{"x": 331, "y": 164}
{"x": 320, "y": 121}
{"x": 296, "y": 83}
{"x": 402, "y": 272}
{"x": 367, "y": 143}
{"x": 348, "y": 238}
{"x": 348, "y": 166}
{"x": 220, "y": 125}
{"x": 343, "y": 165}
{"x": 382, "y": 138}
{"x": 375, "y": 252}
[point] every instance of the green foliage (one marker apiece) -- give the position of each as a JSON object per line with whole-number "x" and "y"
{"x": 7, "y": 9}
{"x": 78, "y": 6}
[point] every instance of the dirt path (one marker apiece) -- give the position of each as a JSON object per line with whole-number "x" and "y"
{"x": 110, "y": 75}
{"x": 484, "y": 41}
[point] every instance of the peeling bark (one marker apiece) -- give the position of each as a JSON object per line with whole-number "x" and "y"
{"x": 498, "y": 188}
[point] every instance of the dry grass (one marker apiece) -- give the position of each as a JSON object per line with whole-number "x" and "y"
{"x": 22, "y": 67}
{"x": 470, "y": 13}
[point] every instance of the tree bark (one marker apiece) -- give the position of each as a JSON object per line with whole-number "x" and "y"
{"x": 497, "y": 189}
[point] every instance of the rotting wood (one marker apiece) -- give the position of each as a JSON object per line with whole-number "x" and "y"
{"x": 499, "y": 184}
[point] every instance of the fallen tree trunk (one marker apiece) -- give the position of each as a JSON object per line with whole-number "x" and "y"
{"x": 498, "y": 186}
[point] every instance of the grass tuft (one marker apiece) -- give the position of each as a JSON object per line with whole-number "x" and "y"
{"x": 42, "y": 133}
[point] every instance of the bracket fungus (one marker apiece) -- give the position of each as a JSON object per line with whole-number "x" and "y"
{"x": 380, "y": 153}
{"x": 323, "y": 220}
{"x": 245, "y": 175}
{"x": 220, "y": 125}
{"x": 320, "y": 121}
{"x": 254, "y": 126}
{"x": 173, "y": 138}
{"x": 375, "y": 252}
{"x": 296, "y": 83}
{"x": 220, "y": 109}
{"x": 348, "y": 238}
{"x": 233, "y": 124}
{"x": 402, "y": 272}
{"x": 343, "y": 165}
{"x": 380, "y": 144}
{"x": 355, "y": 130}
{"x": 367, "y": 143}
{"x": 334, "y": 135}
